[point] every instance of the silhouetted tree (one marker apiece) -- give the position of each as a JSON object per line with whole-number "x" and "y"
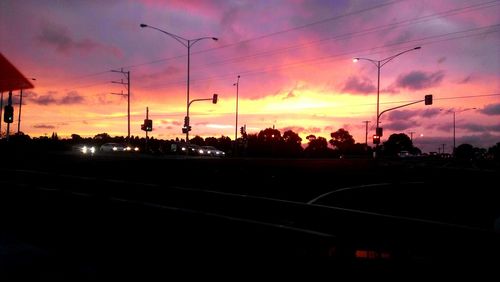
{"x": 76, "y": 137}
{"x": 211, "y": 141}
{"x": 342, "y": 140}
{"x": 292, "y": 144}
{"x": 465, "y": 152}
{"x": 269, "y": 134}
{"x": 197, "y": 140}
{"x": 317, "y": 147}
{"x": 102, "y": 136}
{"x": 494, "y": 151}
{"x": 224, "y": 143}
{"x": 310, "y": 137}
{"x": 396, "y": 143}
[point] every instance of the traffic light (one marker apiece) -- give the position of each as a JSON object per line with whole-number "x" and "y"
{"x": 148, "y": 124}
{"x": 376, "y": 139}
{"x": 8, "y": 114}
{"x": 379, "y": 131}
{"x": 214, "y": 99}
{"x": 186, "y": 129}
{"x": 242, "y": 130}
{"x": 428, "y": 99}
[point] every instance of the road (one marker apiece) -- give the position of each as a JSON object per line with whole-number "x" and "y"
{"x": 75, "y": 214}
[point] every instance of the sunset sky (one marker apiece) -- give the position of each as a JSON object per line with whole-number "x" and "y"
{"x": 294, "y": 58}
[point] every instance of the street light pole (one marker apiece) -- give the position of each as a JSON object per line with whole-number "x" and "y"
{"x": 454, "y": 135}
{"x": 186, "y": 43}
{"x": 236, "y": 123}
{"x": 379, "y": 64}
{"x": 20, "y": 105}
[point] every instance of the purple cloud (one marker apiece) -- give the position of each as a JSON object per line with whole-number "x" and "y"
{"x": 70, "y": 98}
{"x": 417, "y": 80}
{"x": 359, "y": 85}
{"x": 474, "y": 127}
{"x": 44, "y": 126}
{"x": 428, "y": 113}
{"x": 491, "y": 110}
{"x": 59, "y": 37}
{"x": 296, "y": 129}
{"x": 401, "y": 125}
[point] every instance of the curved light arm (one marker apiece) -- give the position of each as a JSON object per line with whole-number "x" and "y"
{"x": 186, "y": 42}
{"x": 193, "y": 41}
{"x": 376, "y": 63}
{"x": 388, "y": 59}
{"x": 180, "y": 39}
{"x": 382, "y": 62}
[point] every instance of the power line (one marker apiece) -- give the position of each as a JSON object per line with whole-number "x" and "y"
{"x": 391, "y": 26}
{"x": 329, "y": 58}
{"x": 364, "y": 32}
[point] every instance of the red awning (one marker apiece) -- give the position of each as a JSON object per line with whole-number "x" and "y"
{"x": 11, "y": 78}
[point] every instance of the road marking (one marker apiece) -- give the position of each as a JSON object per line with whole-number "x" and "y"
{"x": 344, "y": 189}
{"x": 257, "y": 222}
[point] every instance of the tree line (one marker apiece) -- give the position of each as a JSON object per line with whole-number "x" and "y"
{"x": 268, "y": 142}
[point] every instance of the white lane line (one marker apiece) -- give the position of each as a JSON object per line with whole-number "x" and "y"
{"x": 257, "y": 222}
{"x": 346, "y": 188}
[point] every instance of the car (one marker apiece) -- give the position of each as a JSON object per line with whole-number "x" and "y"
{"x": 212, "y": 151}
{"x": 85, "y": 149}
{"x": 112, "y": 147}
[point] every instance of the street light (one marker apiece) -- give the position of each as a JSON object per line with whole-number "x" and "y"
{"x": 379, "y": 64}
{"x": 454, "y": 112}
{"x": 20, "y": 104}
{"x": 237, "y": 84}
{"x": 186, "y": 43}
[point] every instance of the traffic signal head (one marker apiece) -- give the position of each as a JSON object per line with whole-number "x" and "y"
{"x": 428, "y": 99}
{"x": 214, "y": 99}
{"x": 379, "y": 131}
{"x": 149, "y": 124}
{"x": 376, "y": 139}
{"x": 8, "y": 114}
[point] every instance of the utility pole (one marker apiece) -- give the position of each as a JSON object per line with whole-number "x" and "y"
{"x": 1, "y": 109}
{"x": 366, "y": 132}
{"x": 127, "y": 76}
{"x": 147, "y": 117}
{"x": 443, "y": 147}
{"x": 411, "y": 136}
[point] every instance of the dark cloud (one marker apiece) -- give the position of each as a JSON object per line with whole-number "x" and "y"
{"x": 491, "y": 110}
{"x": 59, "y": 37}
{"x": 296, "y": 129}
{"x": 290, "y": 95}
{"x": 475, "y": 127}
{"x": 401, "y": 125}
{"x": 402, "y": 115}
{"x": 312, "y": 130}
{"x": 465, "y": 80}
{"x": 428, "y": 113}
{"x": 409, "y": 114}
{"x": 70, "y": 98}
{"x": 44, "y": 100}
{"x": 359, "y": 85}
{"x": 417, "y": 80}
{"x": 43, "y": 126}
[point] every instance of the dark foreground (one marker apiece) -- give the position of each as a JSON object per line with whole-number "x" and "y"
{"x": 68, "y": 217}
